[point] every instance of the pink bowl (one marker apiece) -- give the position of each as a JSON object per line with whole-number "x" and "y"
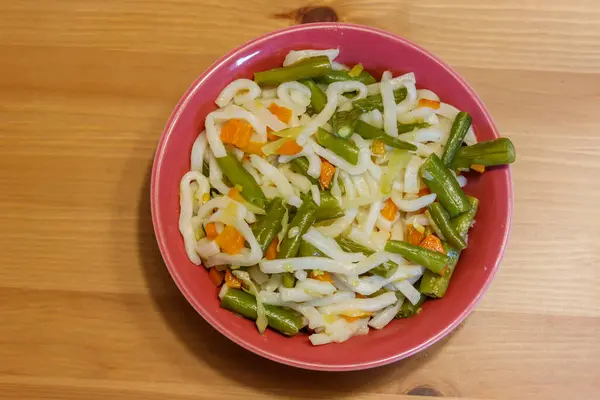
{"x": 377, "y": 51}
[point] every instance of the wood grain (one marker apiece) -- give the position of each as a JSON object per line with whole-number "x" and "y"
{"x": 87, "y": 309}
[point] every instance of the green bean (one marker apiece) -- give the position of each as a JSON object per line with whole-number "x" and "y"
{"x": 440, "y": 181}
{"x": 304, "y": 219}
{"x": 318, "y": 99}
{"x": 441, "y": 220}
{"x": 348, "y": 151}
{"x": 288, "y": 280}
{"x": 367, "y": 131}
{"x": 433, "y": 285}
{"x": 404, "y": 128}
{"x": 463, "y": 222}
{"x": 268, "y": 225}
{"x": 385, "y": 270}
{"x": 329, "y": 208}
{"x": 492, "y": 152}
{"x": 408, "y": 309}
{"x": 342, "y": 122}
{"x": 430, "y": 259}
{"x": 375, "y": 102}
{"x": 459, "y": 130}
{"x": 340, "y": 76}
{"x": 238, "y": 175}
{"x": 350, "y": 246}
{"x": 305, "y": 69}
{"x": 282, "y": 320}
{"x": 308, "y": 250}
{"x": 300, "y": 166}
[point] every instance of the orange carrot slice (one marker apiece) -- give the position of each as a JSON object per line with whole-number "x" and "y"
{"x": 414, "y": 237}
{"x": 211, "y": 230}
{"x": 282, "y": 113}
{"x": 429, "y": 103}
{"x": 232, "y": 281}
{"x": 215, "y": 276}
{"x": 230, "y": 240}
{"x": 327, "y": 172}
{"x": 432, "y": 242}
{"x": 289, "y": 148}
{"x": 389, "y": 210}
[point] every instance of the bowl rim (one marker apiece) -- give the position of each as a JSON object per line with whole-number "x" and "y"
{"x": 159, "y": 230}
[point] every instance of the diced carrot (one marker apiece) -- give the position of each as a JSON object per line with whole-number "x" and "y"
{"x": 253, "y": 148}
{"x": 414, "y": 237}
{"x": 321, "y": 276}
{"x": 211, "y": 230}
{"x": 429, "y": 103}
{"x": 424, "y": 192}
{"x": 327, "y": 172}
{"x": 230, "y": 240}
{"x": 232, "y": 281}
{"x": 234, "y": 194}
{"x": 215, "y": 276}
{"x": 389, "y": 210}
{"x": 236, "y": 132}
{"x": 282, "y": 113}
{"x": 357, "y": 317}
{"x": 478, "y": 167}
{"x": 378, "y": 147}
{"x": 289, "y": 148}
{"x": 432, "y": 242}
{"x": 270, "y": 136}
{"x": 271, "y": 252}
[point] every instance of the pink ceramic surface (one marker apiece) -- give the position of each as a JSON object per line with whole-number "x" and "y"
{"x": 377, "y": 51}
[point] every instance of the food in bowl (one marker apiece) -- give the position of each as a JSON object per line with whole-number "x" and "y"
{"x": 319, "y": 198}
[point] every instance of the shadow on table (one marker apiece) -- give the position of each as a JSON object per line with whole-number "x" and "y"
{"x": 230, "y": 359}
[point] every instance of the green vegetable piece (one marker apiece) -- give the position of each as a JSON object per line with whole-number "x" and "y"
{"x": 305, "y": 69}
{"x": 440, "y": 181}
{"x": 340, "y": 76}
{"x": 288, "y": 280}
{"x": 318, "y": 99}
{"x": 300, "y": 166}
{"x": 375, "y": 102}
{"x": 432, "y": 260}
{"x": 367, "y": 131}
{"x": 408, "y": 310}
{"x": 282, "y": 320}
{"x": 329, "y": 208}
{"x": 350, "y": 246}
{"x": 343, "y": 122}
{"x": 434, "y": 285}
{"x": 308, "y": 250}
{"x": 492, "y": 152}
{"x": 267, "y": 226}
{"x": 304, "y": 219}
{"x": 238, "y": 175}
{"x": 404, "y": 128}
{"x": 442, "y": 221}
{"x": 459, "y": 130}
{"x": 348, "y": 151}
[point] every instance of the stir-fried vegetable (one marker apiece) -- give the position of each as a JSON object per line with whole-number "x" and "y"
{"x": 317, "y": 198}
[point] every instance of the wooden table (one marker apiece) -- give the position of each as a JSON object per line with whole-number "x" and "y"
{"x": 87, "y": 308}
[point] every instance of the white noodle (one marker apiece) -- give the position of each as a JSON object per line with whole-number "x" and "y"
{"x": 296, "y": 55}
{"x": 231, "y": 92}
{"x": 198, "y": 152}
{"x": 389, "y": 105}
